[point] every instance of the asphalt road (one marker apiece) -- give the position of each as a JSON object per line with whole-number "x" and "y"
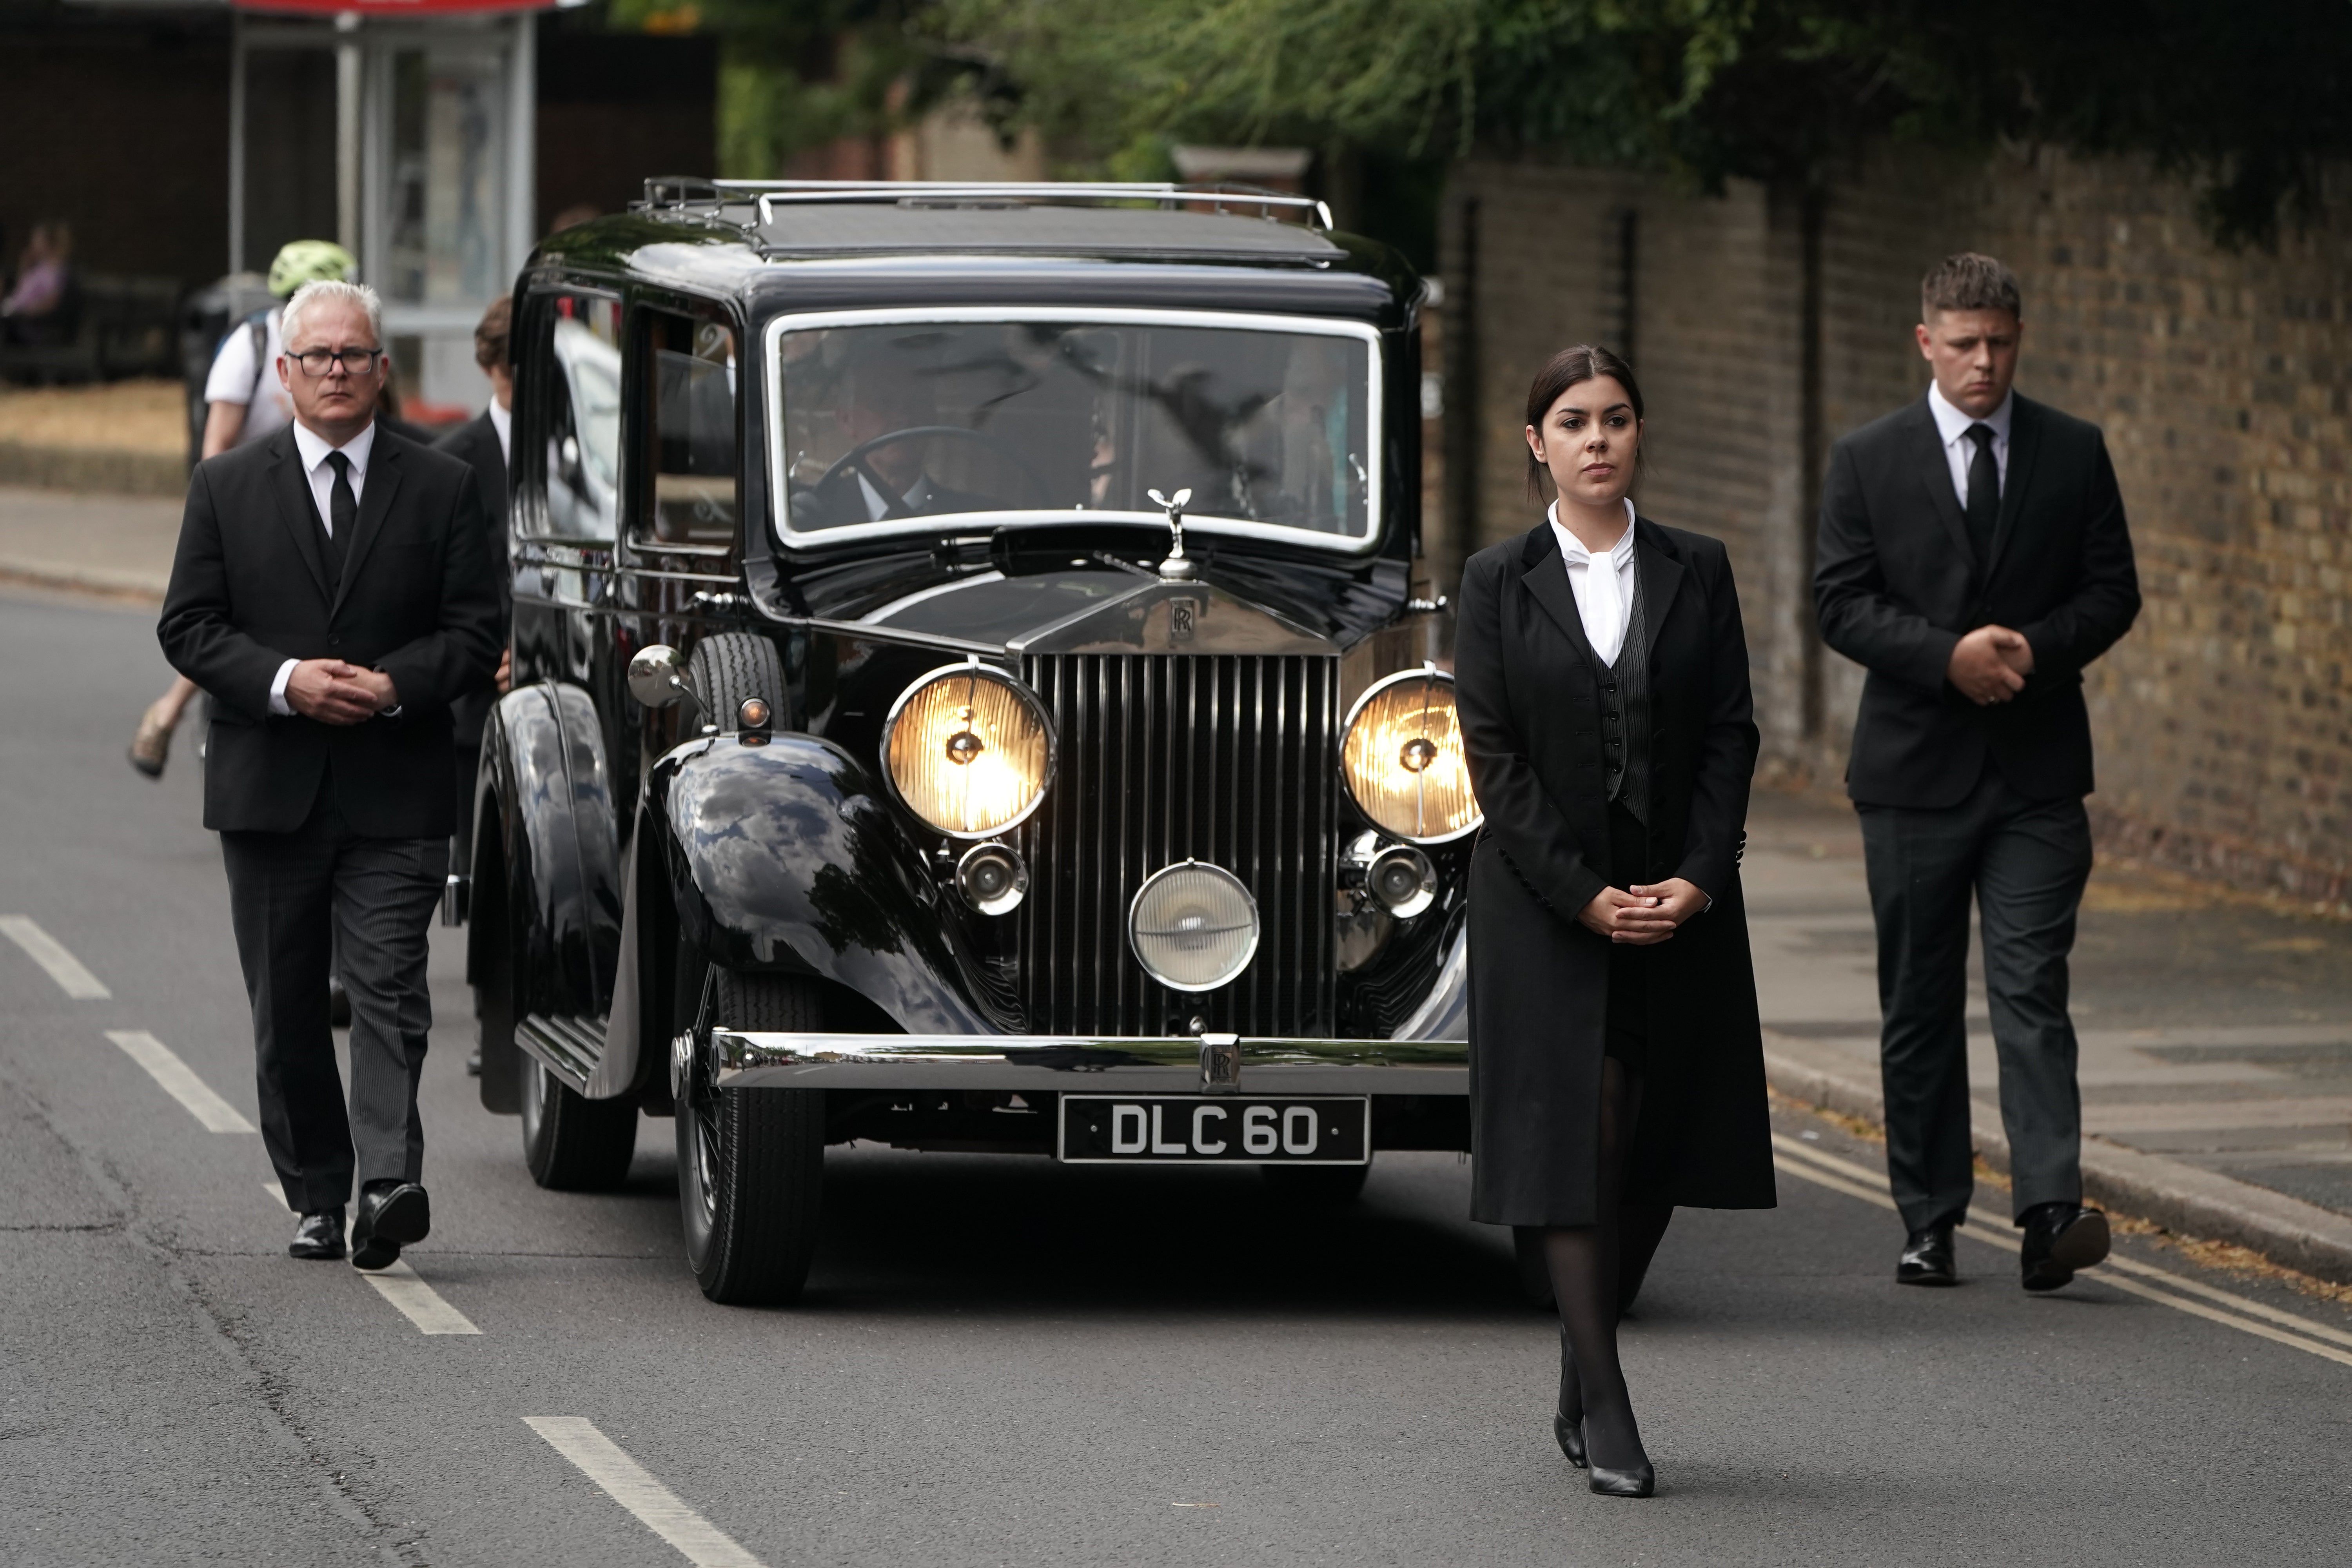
{"x": 998, "y": 1360}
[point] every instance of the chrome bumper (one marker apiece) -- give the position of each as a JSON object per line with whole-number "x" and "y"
{"x": 1183, "y": 1065}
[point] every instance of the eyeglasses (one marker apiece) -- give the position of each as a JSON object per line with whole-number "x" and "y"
{"x": 358, "y": 361}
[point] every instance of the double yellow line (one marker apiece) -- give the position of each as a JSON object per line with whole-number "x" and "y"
{"x": 2199, "y": 1299}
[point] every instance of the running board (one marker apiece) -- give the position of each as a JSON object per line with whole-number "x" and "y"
{"x": 568, "y": 1047}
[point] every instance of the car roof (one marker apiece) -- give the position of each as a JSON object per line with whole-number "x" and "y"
{"x": 1012, "y": 227}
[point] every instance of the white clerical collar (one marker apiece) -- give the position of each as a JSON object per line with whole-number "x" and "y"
{"x": 1573, "y": 548}
{"x": 314, "y": 447}
{"x": 1952, "y": 422}
{"x": 918, "y": 496}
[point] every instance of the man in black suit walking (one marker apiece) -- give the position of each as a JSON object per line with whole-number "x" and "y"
{"x": 1974, "y": 557}
{"x": 484, "y": 445}
{"x": 330, "y": 595}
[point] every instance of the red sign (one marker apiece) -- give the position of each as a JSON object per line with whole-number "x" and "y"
{"x": 394, "y": 9}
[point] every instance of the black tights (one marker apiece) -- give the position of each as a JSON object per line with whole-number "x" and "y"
{"x": 1586, "y": 1262}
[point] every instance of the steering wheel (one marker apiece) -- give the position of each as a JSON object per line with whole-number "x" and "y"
{"x": 894, "y": 505}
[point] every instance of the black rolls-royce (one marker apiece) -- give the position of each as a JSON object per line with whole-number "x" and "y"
{"x": 969, "y": 694}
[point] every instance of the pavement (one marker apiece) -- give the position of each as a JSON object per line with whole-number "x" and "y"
{"x": 1002, "y": 1360}
{"x": 112, "y": 544}
{"x": 2216, "y": 1034}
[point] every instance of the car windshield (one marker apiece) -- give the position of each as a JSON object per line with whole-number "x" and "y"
{"x": 888, "y": 425}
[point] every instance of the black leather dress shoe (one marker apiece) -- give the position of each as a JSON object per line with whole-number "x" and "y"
{"x": 2060, "y": 1238}
{"x": 392, "y": 1215}
{"x": 320, "y": 1235}
{"x": 1637, "y": 1480}
{"x": 1927, "y": 1258}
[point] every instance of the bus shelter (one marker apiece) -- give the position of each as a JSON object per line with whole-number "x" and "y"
{"x": 402, "y": 129}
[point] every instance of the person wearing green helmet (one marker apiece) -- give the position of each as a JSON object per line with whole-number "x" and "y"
{"x": 244, "y": 402}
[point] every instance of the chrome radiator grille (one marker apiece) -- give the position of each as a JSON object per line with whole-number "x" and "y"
{"x": 1219, "y": 757}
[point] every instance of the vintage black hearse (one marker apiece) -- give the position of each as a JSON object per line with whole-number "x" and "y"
{"x": 969, "y": 695}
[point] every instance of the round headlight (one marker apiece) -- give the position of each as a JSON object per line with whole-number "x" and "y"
{"x": 969, "y": 751}
{"x": 1193, "y": 926}
{"x": 1402, "y": 760}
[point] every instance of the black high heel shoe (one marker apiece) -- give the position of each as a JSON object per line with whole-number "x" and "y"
{"x": 1570, "y": 1436}
{"x": 1637, "y": 1480}
{"x": 1568, "y": 1431}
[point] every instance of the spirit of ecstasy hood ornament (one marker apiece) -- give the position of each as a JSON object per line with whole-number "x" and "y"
{"x": 1176, "y": 568}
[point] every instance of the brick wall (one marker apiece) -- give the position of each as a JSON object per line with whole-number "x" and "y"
{"x": 1763, "y": 326}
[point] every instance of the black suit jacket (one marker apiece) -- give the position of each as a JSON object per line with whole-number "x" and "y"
{"x": 1896, "y": 584}
{"x": 476, "y": 444}
{"x": 249, "y": 592}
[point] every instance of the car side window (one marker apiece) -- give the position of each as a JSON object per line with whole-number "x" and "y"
{"x": 572, "y": 385}
{"x": 687, "y": 377}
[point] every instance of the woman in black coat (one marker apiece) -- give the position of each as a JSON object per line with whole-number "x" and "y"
{"x": 1616, "y": 1062}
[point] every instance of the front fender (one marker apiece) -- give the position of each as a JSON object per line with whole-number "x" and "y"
{"x": 554, "y": 805}
{"x": 783, "y": 855}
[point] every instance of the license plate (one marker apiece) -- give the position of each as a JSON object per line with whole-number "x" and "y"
{"x": 1211, "y": 1129}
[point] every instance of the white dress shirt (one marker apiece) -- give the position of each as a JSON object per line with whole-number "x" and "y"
{"x": 501, "y": 421}
{"x": 1604, "y": 599}
{"x": 1952, "y": 424}
{"x": 312, "y": 448}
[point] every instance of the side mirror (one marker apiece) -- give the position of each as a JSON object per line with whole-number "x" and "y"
{"x": 657, "y": 679}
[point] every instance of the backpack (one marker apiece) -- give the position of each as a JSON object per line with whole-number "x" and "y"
{"x": 239, "y": 301}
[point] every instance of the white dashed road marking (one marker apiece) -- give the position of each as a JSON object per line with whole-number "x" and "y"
{"x": 179, "y": 1082}
{"x": 50, "y": 953}
{"x": 626, "y": 1483}
{"x": 2126, "y": 1274}
{"x": 401, "y": 1285}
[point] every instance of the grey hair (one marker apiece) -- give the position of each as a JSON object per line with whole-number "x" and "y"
{"x": 322, "y": 290}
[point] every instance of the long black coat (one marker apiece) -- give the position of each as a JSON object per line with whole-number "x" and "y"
{"x": 249, "y": 592}
{"x": 1527, "y": 686}
{"x": 1897, "y": 583}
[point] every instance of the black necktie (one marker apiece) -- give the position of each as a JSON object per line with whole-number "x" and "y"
{"x": 1984, "y": 494}
{"x": 343, "y": 513}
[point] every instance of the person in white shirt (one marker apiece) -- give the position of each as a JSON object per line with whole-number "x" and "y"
{"x": 245, "y": 402}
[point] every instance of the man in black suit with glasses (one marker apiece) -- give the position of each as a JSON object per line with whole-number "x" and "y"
{"x": 331, "y": 595}
{"x": 1974, "y": 557}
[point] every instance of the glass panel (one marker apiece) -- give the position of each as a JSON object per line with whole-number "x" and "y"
{"x": 583, "y": 441}
{"x": 446, "y": 186}
{"x": 692, "y": 366}
{"x": 886, "y": 422}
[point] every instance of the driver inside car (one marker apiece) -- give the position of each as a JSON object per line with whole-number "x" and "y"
{"x": 881, "y": 473}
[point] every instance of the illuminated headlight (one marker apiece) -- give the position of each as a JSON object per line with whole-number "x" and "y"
{"x": 1193, "y": 927}
{"x": 969, "y": 751}
{"x": 1402, "y": 762}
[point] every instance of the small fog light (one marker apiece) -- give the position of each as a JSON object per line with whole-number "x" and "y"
{"x": 992, "y": 879}
{"x": 1402, "y": 879}
{"x": 751, "y": 716}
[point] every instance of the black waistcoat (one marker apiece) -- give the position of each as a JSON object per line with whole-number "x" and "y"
{"x": 1624, "y": 689}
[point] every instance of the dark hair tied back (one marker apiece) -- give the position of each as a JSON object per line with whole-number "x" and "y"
{"x": 1584, "y": 361}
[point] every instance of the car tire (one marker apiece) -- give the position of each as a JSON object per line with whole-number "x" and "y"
{"x": 751, "y": 1162}
{"x": 572, "y": 1144}
{"x": 1318, "y": 1184}
{"x": 727, "y": 667}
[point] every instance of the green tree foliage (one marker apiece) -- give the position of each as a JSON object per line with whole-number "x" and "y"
{"x": 2250, "y": 101}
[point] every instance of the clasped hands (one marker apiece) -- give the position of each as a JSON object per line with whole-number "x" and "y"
{"x": 1643, "y": 915}
{"x": 1990, "y": 664}
{"x": 335, "y": 692}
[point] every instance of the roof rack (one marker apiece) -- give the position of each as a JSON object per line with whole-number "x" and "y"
{"x": 678, "y": 194}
